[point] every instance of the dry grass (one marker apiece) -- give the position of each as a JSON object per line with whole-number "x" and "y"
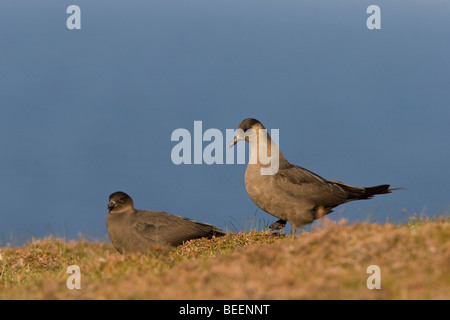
{"x": 328, "y": 263}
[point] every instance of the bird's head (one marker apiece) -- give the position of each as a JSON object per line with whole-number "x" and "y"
{"x": 120, "y": 202}
{"x": 248, "y": 128}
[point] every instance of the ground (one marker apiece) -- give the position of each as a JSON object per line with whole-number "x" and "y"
{"x": 330, "y": 262}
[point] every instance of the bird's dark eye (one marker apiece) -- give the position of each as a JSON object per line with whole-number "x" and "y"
{"x": 122, "y": 199}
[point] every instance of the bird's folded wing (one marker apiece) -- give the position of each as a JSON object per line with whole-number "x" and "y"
{"x": 162, "y": 227}
{"x": 300, "y": 182}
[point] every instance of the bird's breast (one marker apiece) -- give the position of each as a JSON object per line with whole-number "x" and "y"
{"x": 260, "y": 188}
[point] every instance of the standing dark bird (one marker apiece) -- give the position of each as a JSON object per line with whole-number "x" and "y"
{"x": 289, "y": 192}
{"x": 133, "y": 230}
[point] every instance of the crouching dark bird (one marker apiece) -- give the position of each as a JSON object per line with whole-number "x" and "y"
{"x": 133, "y": 230}
{"x": 289, "y": 192}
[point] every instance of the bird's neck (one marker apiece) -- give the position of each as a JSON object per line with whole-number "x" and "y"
{"x": 123, "y": 210}
{"x": 265, "y": 153}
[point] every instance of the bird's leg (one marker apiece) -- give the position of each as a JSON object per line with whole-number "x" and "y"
{"x": 293, "y": 229}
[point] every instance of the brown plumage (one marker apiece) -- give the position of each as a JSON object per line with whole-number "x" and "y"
{"x": 133, "y": 230}
{"x": 293, "y": 193}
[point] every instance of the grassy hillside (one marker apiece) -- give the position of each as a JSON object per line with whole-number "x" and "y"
{"x": 328, "y": 263}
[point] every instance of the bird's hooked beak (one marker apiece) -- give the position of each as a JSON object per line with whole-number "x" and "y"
{"x": 239, "y": 136}
{"x": 111, "y": 205}
{"x": 232, "y": 143}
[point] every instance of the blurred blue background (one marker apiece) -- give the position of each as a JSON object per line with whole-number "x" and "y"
{"x": 88, "y": 112}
